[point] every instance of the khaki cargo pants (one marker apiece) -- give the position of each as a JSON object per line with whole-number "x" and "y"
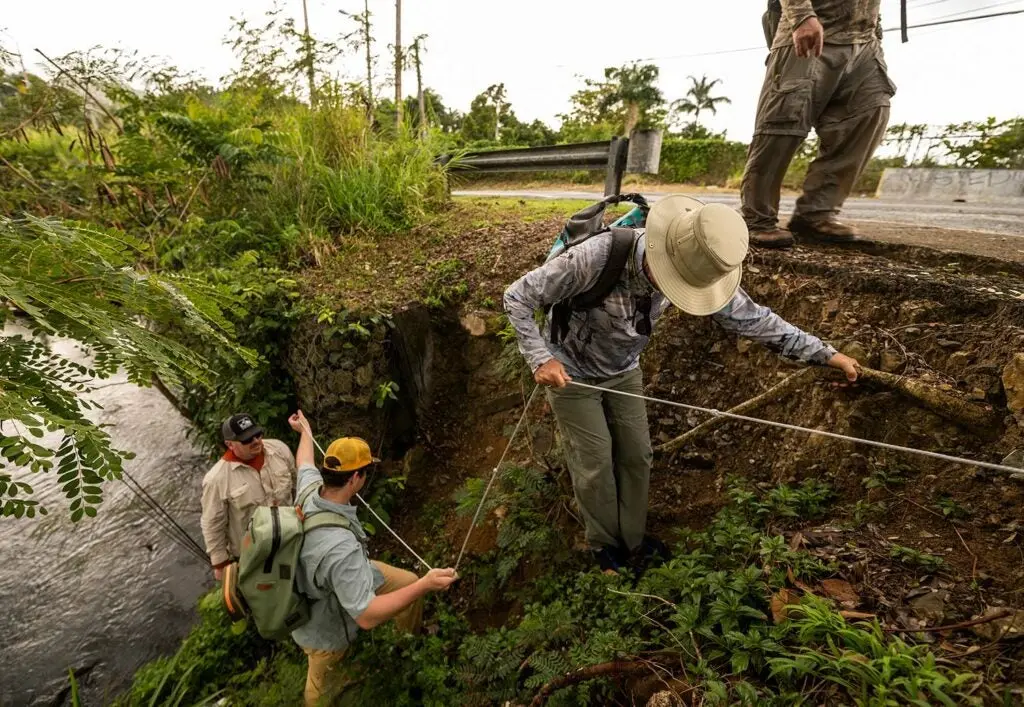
{"x": 844, "y": 95}
{"x": 608, "y": 448}
{"x": 323, "y": 677}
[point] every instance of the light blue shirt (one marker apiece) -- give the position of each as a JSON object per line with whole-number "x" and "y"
{"x": 335, "y": 572}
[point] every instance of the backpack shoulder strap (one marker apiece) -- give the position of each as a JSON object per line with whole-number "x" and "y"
{"x": 611, "y": 273}
{"x": 306, "y": 493}
{"x": 326, "y": 519}
{"x": 320, "y": 519}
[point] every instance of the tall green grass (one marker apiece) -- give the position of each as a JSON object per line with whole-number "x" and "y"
{"x": 337, "y": 176}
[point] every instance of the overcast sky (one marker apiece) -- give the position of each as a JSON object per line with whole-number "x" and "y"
{"x": 540, "y": 49}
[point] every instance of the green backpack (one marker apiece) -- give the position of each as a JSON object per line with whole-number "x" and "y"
{"x": 262, "y": 583}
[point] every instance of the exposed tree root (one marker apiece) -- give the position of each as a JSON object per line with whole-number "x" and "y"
{"x": 978, "y": 419}
{"x": 981, "y": 420}
{"x": 617, "y": 668}
{"x": 770, "y": 395}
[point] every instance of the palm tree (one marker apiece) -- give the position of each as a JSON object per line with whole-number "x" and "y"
{"x": 632, "y": 86}
{"x": 699, "y": 98}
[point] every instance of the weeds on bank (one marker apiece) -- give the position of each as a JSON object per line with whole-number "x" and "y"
{"x": 445, "y": 283}
{"x": 703, "y": 618}
{"x": 910, "y": 557}
{"x": 708, "y": 608}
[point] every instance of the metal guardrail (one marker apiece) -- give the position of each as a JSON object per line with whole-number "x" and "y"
{"x": 614, "y": 156}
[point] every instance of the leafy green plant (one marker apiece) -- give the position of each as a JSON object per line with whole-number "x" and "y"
{"x": 525, "y": 500}
{"x": 883, "y": 476}
{"x": 78, "y": 282}
{"x": 74, "y": 697}
{"x": 384, "y": 392}
{"x": 205, "y": 663}
{"x": 445, "y": 283}
{"x": 511, "y": 365}
{"x": 873, "y": 669}
{"x": 808, "y": 500}
{"x": 864, "y": 510}
{"x": 701, "y": 161}
{"x": 915, "y": 558}
{"x": 951, "y": 509}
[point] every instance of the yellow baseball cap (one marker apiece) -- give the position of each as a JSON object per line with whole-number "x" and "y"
{"x": 348, "y": 454}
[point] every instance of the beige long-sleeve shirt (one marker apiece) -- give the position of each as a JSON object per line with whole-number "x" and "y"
{"x": 845, "y": 21}
{"x": 233, "y": 490}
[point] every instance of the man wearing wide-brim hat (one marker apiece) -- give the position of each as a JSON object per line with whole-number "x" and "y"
{"x": 689, "y": 255}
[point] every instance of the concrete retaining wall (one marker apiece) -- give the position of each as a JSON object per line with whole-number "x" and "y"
{"x": 970, "y": 185}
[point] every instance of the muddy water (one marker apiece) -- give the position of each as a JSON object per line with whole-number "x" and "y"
{"x": 107, "y": 594}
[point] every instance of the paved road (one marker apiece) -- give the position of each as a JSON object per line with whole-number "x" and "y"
{"x": 1002, "y": 219}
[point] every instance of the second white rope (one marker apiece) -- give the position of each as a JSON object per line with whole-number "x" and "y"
{"x": 372, "y": 512}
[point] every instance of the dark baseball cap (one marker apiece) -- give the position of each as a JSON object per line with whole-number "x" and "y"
{"x": 240, "y": 428}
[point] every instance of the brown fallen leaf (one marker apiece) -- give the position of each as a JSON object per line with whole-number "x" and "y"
{"x": 855, "y": 615}
{"x": 796, "y": 541}
{"x": 780, "y": 600}
{"x": 841, "y": 591}
{"x": 796, "y": 582}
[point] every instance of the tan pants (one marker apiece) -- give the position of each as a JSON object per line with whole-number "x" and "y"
{"x": 323, "y": 676}
{"x": 844, "y": 95}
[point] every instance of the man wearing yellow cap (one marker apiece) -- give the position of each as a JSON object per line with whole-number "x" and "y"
{"x": 349, "y": 591}
{"x": 689, "y": 255}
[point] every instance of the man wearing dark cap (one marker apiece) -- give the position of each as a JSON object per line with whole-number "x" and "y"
{"x": 253, "y": 472}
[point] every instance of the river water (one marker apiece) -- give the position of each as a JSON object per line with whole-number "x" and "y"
{"x": 109, "y": 593}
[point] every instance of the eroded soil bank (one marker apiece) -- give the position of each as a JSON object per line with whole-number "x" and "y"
{"x": 921, "y": 543}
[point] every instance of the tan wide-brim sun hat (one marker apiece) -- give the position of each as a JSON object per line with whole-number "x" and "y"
{"x": 694, "y": 251}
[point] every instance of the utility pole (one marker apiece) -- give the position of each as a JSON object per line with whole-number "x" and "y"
{"x": 398, "y": 64}
{"x": 368, "y": 40}
{"x": 421, "y": 99}
{"x": 308, "y": 42}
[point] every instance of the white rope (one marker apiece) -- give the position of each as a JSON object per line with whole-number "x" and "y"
{"x": 494, "y": 475}
{"x": 785, "y": 426}
{"x": 379, "y": 519}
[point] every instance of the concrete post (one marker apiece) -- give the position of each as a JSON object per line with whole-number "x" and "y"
{"x": 644, "y": 152}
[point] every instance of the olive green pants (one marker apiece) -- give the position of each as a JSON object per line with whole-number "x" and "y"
{"x": 844, "y": 95}
{"x": 608, "y": 447}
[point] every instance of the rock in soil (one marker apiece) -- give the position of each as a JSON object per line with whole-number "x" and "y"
{"x": 1007, "y": 628}
{"x": 1013, "y": 382}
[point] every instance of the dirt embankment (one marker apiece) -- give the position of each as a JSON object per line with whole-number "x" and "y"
{"x": 922, "y": 542}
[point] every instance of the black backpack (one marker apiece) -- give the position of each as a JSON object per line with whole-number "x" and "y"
{"x": 582, "y": 226}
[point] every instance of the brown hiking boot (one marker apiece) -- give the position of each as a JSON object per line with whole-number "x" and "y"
{"x": 824, "y": 231}
{"x": 776, "y": 238}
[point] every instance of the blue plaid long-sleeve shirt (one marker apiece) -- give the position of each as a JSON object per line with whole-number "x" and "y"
{"x": 603, "y": 342}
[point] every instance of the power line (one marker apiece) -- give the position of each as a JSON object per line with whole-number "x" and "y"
{"x": 944, "y": 20}
{"x": 960, "y": 13}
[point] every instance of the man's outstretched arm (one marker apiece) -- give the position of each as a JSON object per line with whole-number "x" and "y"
{"x": 744, "y": 317}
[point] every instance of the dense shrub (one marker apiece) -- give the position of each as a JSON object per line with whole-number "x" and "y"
{"x": 704, "y": 162}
